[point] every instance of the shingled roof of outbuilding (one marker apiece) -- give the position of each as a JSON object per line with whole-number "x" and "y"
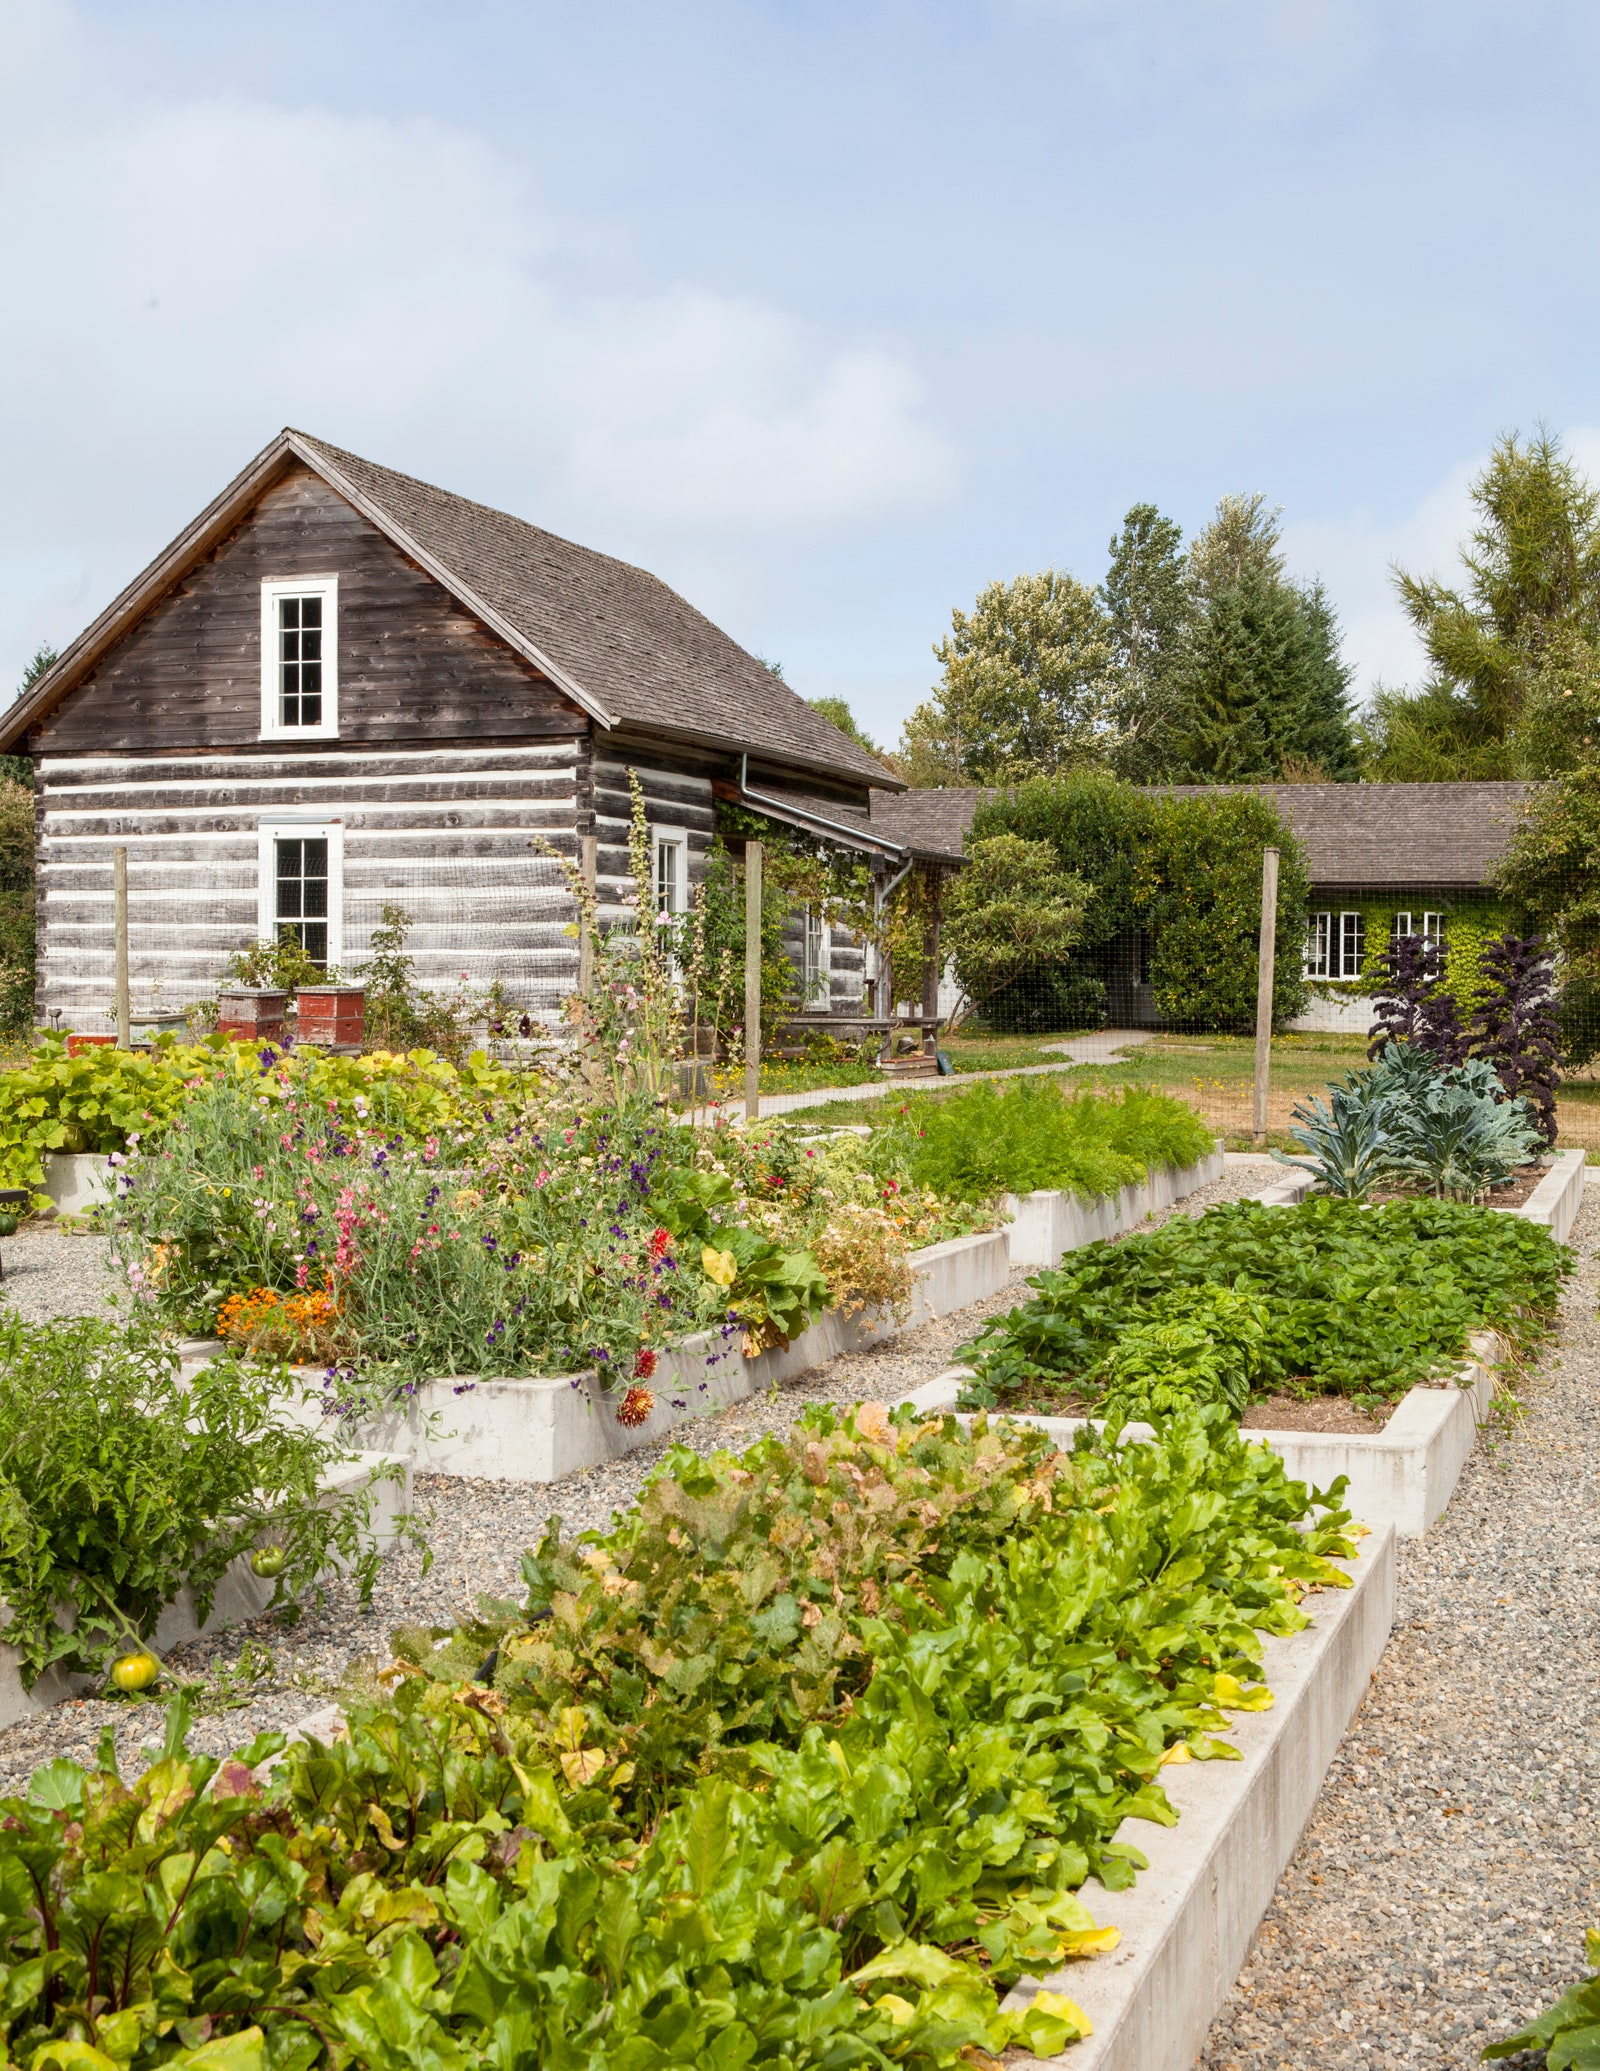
{"x": 1353, "y": 834}
{"x": 1396, "y": 834}
{"x": 627, "y": 648}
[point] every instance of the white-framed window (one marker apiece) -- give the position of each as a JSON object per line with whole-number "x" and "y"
{"x": 300, "y": 659}
{"x": 1319, "y": 945}
{"x": 816, "y": 963}
{"x": 671, "y": 845}
{"x": 1402, "y": 926}
{"x": 301, "y": 885}
{"x": 1352, "y": 944}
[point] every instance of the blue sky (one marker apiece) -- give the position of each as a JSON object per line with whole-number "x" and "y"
{"x": 827, "y": 313}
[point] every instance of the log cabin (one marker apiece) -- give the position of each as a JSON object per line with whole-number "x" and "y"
{"x": 341, "y": 688}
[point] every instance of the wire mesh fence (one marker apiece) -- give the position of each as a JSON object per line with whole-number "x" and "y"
{"x": 1174, "y": 1007}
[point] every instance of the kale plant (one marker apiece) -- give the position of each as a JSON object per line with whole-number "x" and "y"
{"x": 1351, "y": 1143}
{"x": 1412, "y": 1005}
{"x": 1460, "y": 1139}
{"x": 1517, "y": 1027}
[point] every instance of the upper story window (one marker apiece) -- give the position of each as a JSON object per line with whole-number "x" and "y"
{"x": 300, "y": 659}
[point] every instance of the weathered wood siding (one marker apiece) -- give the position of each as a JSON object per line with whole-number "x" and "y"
{"x": 413, "y": 665}
{"x": 675, "y": 795}
{"x": 447, "y": 833}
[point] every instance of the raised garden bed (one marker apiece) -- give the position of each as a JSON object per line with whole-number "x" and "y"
{"x": 1553, "y": 1202}
{"x": 240, "y": 1594}
{"x": 1049, "y": 1223}
{"x": 1402, "y": 1475}
{"x": 510, "y": 1428}
{"x": 1188, "y": 1922}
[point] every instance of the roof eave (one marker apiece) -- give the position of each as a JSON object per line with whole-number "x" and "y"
{"x": 213, "y": 525}
{"x": 725, "y": 744}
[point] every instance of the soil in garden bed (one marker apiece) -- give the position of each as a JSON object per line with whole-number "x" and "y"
{"x": 1273, "y": 1413}
{"x": 1513, "y": 1195}
{"x": 1317, "y": 1413}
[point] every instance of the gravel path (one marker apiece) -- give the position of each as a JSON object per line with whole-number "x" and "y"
{"x": 476, "y": 1530}
{"x": 51, "y": 1270}
{"x": 1440, "y": 1893}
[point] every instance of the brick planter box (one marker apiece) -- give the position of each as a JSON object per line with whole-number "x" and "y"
{"x": 331, "y": 1016}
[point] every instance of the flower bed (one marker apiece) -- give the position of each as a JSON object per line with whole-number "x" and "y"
{"x": 809, "y": 1759}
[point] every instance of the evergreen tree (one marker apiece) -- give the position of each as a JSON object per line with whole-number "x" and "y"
{"x": 1261, "y": 691}
{"x": 1514, "y": 653}
{"x": 1327, "y": 733}
{"x": 1149, "y": 609}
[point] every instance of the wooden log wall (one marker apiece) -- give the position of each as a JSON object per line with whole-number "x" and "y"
{"x": 446, "y": 833}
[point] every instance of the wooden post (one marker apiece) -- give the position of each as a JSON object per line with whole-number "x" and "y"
{"x": 933, "y": 887}
{"x": 588, "y": 848}
{"x": 119, "y": 894}
{"x": 1266, "y": 957}
{"x": 752, "y": 981}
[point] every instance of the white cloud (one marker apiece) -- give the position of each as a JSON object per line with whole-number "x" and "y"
{"x": 200, "y": 273}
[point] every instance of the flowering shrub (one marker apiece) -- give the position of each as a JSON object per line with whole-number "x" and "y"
{"x": 529, "y": 1244}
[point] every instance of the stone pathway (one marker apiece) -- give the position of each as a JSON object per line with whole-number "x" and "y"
{"x": 1440, "y": 1893}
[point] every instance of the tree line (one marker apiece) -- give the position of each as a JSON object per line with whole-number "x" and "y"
{"x": 1209, "y": 663}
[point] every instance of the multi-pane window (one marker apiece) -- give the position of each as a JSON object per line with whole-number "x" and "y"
{"x": 300, "y": 908}
{"x": 300, "y": 661}
{"x": 814, "y": 974}
{"x": 1352, "y": 944}
{"x": 672, "y": 869}
{"x": 1432, "y": 932}
{"x": 1319, "y": 945}
{"x": 669, "y": 877}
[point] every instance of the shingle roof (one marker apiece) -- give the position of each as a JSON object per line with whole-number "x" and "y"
{"x": 1354, "y": 834}
{"x": 636, "y": 646}
{"x": 627, "y": 647}
{"x": 931, "y": 822}
{"x": 1397, "y": 834}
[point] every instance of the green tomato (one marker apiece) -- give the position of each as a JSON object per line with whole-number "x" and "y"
{"x": 133, "y": 1672}
{"x": 267, "y": 1561}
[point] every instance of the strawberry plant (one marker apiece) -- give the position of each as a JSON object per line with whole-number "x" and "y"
{"x": 1358, "y": 1301}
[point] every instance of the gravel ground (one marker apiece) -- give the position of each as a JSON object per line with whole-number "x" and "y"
{"x": 1439, "y": 1895}
{"x": 476, "y": 1530}
{"x": 51, "y": 1269}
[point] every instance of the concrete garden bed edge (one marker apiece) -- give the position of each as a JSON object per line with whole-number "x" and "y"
{"x": 1189, "y": 1919}
{"x": 1403, "y": 1475}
